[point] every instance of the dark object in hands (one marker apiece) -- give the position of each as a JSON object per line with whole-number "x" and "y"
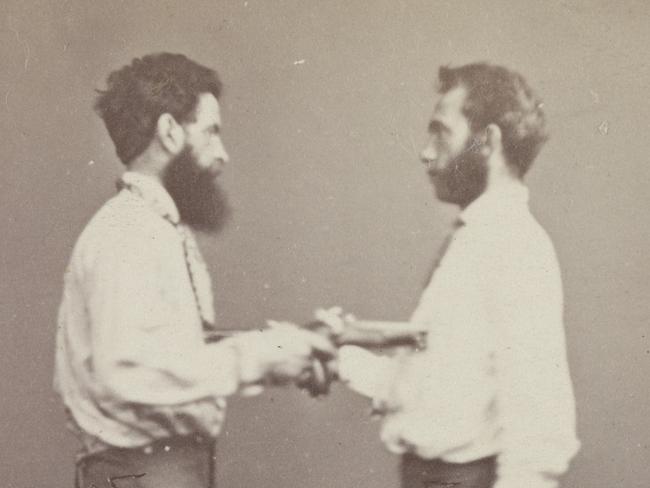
{"x": 318, "y": 379}
{"x": 371, "y": 334}
{"x": 321, "y": 373}
{"x": 367, "y": 334}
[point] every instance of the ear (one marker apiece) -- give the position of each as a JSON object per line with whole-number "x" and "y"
{"x": 493, "y": 139}
{"x": 170, "y": 134}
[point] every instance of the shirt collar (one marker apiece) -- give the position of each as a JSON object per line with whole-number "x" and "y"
{"x": 495, "y": 202}
{"x": 153, "y": 193}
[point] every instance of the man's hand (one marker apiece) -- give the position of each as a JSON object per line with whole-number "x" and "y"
{"x": 328, "y": 323}
{"x": 282, "y": 353}
{"x": 303, "y": 350}
{"x": 344, "y": 329}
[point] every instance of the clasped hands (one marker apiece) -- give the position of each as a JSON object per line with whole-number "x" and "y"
{"x": 285, "y": 352}
{"x": 307, "y": 355}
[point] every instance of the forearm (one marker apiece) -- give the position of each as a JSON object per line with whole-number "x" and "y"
{"x": 381, "y": 334}
{"x": 166, "y": 378}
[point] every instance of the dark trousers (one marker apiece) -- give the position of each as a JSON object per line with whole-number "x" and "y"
{"x": 177, "y": 462}
{"x": 422, "y": 473}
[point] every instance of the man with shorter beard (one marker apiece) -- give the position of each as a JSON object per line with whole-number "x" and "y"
{"x": 143, "y": 389}
{"x": 488, "y": 402}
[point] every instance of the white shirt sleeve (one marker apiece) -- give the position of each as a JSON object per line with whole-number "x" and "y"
{"x": 534, "y": 392}
{"x": 366, "y": 373}
{"x": 140, "y": 350}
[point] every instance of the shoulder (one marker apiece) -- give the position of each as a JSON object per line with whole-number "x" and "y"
{"x": 123, "y": 225}
{"x": 517, "y": 247}
{"x": 519, "y": 232}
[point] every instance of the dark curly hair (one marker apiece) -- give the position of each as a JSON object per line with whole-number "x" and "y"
{"x": 497, "y": 95}
{"x": 139, "y": 93}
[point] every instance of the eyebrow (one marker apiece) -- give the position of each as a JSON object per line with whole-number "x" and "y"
{"x": 437, "y": 127}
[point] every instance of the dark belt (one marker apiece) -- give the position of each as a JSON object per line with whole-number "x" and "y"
{"x": 436, "y": 473}
{"x": 183, "y": 461}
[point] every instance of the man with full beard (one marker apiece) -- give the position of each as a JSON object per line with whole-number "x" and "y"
{"x": 488, "y": 402}
{"x": 143, "y": 388}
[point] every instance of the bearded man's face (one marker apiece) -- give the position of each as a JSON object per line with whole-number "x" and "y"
{"x": 455, "y": 164}
{"x": 200, "y": 200}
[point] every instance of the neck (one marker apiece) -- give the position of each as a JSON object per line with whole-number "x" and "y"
{"x": 500, "y": 174}
{"x": 150, "y": 164}
{"x": 500, "y": 178}
{"x": 503, "y": 183}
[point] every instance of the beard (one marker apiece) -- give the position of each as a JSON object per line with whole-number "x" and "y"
{"x": 201, "y": 202}
{"x": 464, "y": 178}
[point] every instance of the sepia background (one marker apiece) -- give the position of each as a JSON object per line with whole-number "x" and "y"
{"x": 325, "y": 110}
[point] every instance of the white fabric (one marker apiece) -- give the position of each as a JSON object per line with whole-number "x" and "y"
{"x": 493, "y": 378}
{"x": 131, "y": 362}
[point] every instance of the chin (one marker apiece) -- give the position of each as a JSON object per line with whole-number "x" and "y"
{"x": 441, "y": 194}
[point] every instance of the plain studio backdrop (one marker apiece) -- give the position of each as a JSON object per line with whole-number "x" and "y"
{"x": 325, "y": 110}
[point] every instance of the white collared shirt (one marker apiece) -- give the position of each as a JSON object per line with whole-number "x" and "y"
{"x": 131, "y": 362}
{"x": 493, "y": 378}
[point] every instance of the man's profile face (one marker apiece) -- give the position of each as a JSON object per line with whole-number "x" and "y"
{"x": 203, "y": 135}
{"x": 456, "y": 168}
{"x": 191, "y": 176}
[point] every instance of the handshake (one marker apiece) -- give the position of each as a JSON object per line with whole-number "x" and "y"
{"x": 308, "y": 355}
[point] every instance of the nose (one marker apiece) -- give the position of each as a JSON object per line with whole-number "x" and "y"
{"x": 221, "y": 152}
{"x": 428, "y": 156}
{"x": 221, "y": 156}
{"x": 223, "y": 159}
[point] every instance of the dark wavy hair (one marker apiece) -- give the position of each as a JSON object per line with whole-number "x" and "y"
{"x": 139, "y": 93}
{"x": 497, "y": 95}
